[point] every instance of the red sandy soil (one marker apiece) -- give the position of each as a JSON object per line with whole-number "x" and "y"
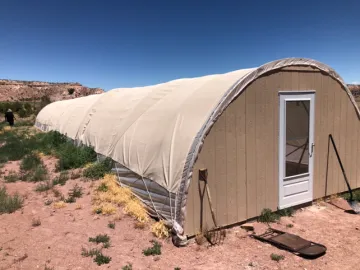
{"x": 57, "y": 242}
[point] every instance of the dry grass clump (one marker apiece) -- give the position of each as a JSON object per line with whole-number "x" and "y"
{"x": 59, "y": 204}
{"x": 109, "y": 195}
{"x": 160, "y": 230}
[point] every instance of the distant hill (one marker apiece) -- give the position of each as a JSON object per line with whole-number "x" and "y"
{"x": 355, "y": 89}
{"x": 13, "y": 90}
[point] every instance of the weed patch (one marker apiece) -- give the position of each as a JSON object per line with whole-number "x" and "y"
{"x": 289, "y": 225}
{"x": 30, "y": 162}
{"x": 267, "y": 216}
{"x": 154, "y": 250}
{"x": 45, "y": 186}
{"x": 277, "y": 257}
{"x": 11, "y": 177}
{"x": 61, "y": 179}
{"x": 101, "y": 238}
{"x": 127, "y": 267}
{"x": 9, "y": 204}
{"x": 98, "y": 169}
{"x": 102, "y": 259}
{"x": 111, "y": 225}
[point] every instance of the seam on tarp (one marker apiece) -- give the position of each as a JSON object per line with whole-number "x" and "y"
{"x": 228, "y": 97}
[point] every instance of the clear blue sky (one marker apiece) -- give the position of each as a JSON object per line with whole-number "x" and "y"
{"x": 112, "y": 44}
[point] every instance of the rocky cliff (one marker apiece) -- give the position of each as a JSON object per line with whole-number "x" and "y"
{"x": 11, "y": 90}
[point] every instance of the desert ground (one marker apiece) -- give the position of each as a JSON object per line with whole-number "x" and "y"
{"x": 43, "y": 235}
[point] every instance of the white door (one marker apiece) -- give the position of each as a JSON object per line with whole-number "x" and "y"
{"x": 296, "y": 147}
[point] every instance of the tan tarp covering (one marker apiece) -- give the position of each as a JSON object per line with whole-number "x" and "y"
{"x": 147, "y": 129}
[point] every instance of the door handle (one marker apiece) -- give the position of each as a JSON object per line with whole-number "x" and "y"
{"x": 312, "y": 150}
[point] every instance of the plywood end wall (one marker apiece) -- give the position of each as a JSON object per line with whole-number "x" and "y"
{"x": 241, "y": 150}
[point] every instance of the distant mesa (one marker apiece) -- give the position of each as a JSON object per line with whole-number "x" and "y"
{"x": 14, "y": 90}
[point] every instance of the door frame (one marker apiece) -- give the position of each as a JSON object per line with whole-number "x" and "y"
{"x": 308, "y": 95}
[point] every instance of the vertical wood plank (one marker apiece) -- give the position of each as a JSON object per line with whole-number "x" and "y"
{"x": 341, "y": 141}
{"x": 331, "y": 179}
{"x": 250, "y": 152}
{"x": 221, "y": 169}
{"x": 231, "y": 164}
{"x": 240, "y": 105}
{"x": 261, "y": 141}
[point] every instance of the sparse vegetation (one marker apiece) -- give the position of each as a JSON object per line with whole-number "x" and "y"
{"x": 111, "y": 225}
{"x": 30, "y": 162}
{"x": 268, "y": 216}
{"x": 127, "y": 267}
{"x": 90, "y": 253}
{"x": 11, "y": 177}
{"x": 289, "y": 225}
{"x": 44, "y": 186}
{"x": 98, "y": 169}
{"x": 277, "y": 257}
{"x": 61, "y": 179}
{"x": 76, "y": 192}
{"x": 101, "y": 259}
{"x": 287, "y": 212}
{"x": 101, "y": 238}
{"x": 48, "y": 267}
{"x": 356, "y": 195}
{"x": 154, "y": 250}
{"x": 8, "y": 203}
{"x": 102, "y": 188}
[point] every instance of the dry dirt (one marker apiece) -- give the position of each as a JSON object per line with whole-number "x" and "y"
{"x": 58, "y": 241}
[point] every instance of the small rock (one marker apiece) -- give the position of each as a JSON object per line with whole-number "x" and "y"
{"x": 157, "y": 258}
{"x": 247, "y": 226}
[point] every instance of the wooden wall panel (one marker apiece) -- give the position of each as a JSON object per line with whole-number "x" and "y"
{"x": 251, "y": 152}
{"x": 221, "y": 170}
{"x": 231, "y": 163}
{"x": 241, "y": 150}
{"x": 241, "y": 157}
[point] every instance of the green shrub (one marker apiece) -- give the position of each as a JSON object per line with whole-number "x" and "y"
{"x": 101, "y": 238}
{"x": 76, "y": 191}
{"x": 61, "y": 179}
{"x": 102, "y": 188}
{"x": 30, "y": 162}
{"x": 11, "y": 177}
{"x": 356, "y": 195}
{"x": 287, "y": 212}
{"x": 154, "y": 250}
{"x": 22, "y": 113}
{"x": 101, "y": 259}
{"x": 45, "y": 186}
{"x": 99, "y": 169}
{"x": 268, "y": 216}
{"x": 40, "y": 174}
{"x": 90, "y": 253}
{"x": 127, "y": 267}
{"x": 9, "y": 204}
{"x": 276, "y": 257}
{"x": 111, "y": 225}
{"x": 71, "y": 156}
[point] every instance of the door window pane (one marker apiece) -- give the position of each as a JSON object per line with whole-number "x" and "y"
{"x": 297, "y": 137}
